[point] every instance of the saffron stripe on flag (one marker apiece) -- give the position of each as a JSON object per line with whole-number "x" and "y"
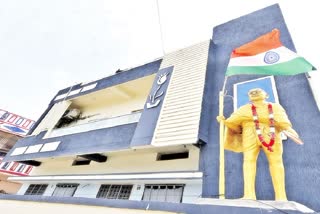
{"x": 261, "y": 44}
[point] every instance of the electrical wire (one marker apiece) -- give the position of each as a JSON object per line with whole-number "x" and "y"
{"x": 160, "y": 27}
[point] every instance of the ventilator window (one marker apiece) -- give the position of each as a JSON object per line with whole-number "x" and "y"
{"x": 172, "y": 156}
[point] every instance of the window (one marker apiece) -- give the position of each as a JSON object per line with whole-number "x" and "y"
{"x": 5, "y": 165}
{"x": 36, "y": 189}
{"x": 164, "y": 193}
{"x": 173, "y": 156}
{"x": 28, "y": 170}
{"x": 81, "y": 162}
{"x": 114, "y": 191}
{"x": 14, "y": 166}
{"x": 65, "y": 190}
{"x": 4, "y": 116}
{"x": 21, "y": 168}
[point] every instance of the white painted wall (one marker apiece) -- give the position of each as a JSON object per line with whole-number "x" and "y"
{"x": 191, "y": 193}
{"x": 50, "y": 189}
{"x": 87, "y": 190}
{"x": 23, "y": 189}
{"x": 48, "y": 192}
{"x": 137, "y": 192}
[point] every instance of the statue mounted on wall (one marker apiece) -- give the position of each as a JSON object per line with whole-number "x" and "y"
{"x": 257, "y": 126}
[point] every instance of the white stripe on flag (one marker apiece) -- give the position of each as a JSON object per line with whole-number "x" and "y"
{"x": 258, "y": 60}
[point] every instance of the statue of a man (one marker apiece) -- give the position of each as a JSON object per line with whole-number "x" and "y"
{"x": 257, "y": 126}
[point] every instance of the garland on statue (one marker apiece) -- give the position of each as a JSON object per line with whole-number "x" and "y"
{"x": 258, "y": 130}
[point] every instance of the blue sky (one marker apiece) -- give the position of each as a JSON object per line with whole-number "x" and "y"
{"x": 49, "y": 45}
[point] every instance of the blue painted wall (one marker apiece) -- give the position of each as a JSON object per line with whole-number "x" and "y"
{"x": 146, "y": 205}
{"x": 149, "y": 117}
{"x": 207, "y": 100}
{"x": 301, "y": 162}
{"x": 118, "y": 137}
{"x": 209, "y": 155}
{"x": 118, "y": 78}
{"x": 95, "y": 141}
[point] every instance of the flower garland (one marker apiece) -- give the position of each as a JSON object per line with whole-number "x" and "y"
{"x": 258, "y": 130}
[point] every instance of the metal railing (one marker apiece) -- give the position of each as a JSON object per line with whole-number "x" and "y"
{"x": 94, "y": 124}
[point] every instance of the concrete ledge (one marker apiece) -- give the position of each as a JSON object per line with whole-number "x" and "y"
{"x": 278, "y": 205}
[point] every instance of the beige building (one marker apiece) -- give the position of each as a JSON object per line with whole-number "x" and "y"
{"x": 12, "y": 128}
{"x": 122, "y": 137}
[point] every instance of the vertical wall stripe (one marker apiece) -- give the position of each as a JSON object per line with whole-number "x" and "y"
{"x": 52, "y": 117}
{"x": 179, "y": 118}
{"x": 148, "y": 121}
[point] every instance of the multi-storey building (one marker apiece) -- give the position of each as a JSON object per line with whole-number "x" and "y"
{"x": 149, "y": 133}
{"x": 12, "y": 128}
{"x": 134, "y": 135}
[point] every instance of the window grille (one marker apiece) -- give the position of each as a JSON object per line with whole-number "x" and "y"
{"x": 14, "y": 166}
{"x": 36, "y": 189}
{"x": 5, "y": 165}
{"x": 65, "y": 190}
{"x": 21, "y": 168}
{"x": 114, "y": 191}
{"x": 164, "y": 193}
{"x": 28, "y": 170}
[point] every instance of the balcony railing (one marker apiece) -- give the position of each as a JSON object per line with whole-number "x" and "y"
{"x": 96, "y": 124}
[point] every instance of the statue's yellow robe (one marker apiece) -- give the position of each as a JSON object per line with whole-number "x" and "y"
{"x": 241, "y": 133}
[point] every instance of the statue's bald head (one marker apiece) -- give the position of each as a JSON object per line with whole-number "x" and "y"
{"x": 256, "y": 94}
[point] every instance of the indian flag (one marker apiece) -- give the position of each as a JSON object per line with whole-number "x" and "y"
{"x": 267, "y": 56}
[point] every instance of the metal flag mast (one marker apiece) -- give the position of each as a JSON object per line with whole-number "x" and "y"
{"x": 221, "y": 142}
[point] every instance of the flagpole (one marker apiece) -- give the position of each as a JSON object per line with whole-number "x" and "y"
{"x": 221, "y": 143}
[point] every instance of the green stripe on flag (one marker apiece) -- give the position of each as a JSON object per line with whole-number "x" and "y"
{"x": 295, "y": 66}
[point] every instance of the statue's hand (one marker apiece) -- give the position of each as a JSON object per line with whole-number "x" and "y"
{"x": 221, "y": 118}
{"x": 291, "y": 133}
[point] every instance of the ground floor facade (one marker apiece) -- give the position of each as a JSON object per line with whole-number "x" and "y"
{"x": 175, "y": 187}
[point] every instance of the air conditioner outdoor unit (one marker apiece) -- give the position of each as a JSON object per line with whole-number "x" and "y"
{"x": 72, "y": 114}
